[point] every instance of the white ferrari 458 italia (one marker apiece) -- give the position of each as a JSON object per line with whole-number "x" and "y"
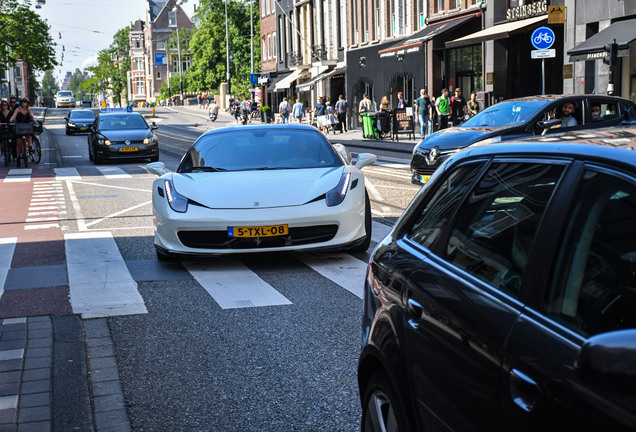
{"x": 261, "y": 188}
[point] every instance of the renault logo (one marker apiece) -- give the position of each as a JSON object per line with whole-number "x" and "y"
{"x": 127, "y": 142}
{"x": 432, "y": 155}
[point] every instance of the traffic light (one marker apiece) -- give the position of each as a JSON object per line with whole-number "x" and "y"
{"x": 611, "y": 59}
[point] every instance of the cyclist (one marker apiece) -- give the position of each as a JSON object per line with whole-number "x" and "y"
{"x": 23, "y": 114}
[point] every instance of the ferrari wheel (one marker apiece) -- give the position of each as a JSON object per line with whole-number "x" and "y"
{"x": 362, "y": 247}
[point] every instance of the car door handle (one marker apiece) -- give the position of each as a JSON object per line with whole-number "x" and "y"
{"x": 523, "y": 390}
{"x": 414, "y": 312}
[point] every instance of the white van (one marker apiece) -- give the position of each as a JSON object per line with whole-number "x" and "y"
{"x": 64, "y": 99}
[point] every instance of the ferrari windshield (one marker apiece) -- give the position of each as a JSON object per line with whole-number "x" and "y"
{"x": 123, "y": 121}
{"x": 260, "y": 148}
{"x": 513, "y": 113}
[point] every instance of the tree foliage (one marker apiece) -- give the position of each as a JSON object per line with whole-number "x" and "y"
{"x": 49, "y": 88}
{"x": 110, "y": 72}
{"x": 208, "y": 50}
{"x": 25, "y": 36}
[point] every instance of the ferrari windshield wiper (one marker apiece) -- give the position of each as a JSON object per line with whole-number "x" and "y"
{"x": 206, "y": 169}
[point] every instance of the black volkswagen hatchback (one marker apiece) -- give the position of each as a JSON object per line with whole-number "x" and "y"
{"x": 122, "y": 135}
{"x": 505, "y": 296}
{"x": 518, "y": 118}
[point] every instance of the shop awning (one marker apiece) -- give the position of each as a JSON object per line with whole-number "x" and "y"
{"x": 500, "y": 31}
{"x": 412, "y": 43}
{"x": 594, "y": 47}
{"x": 306, "y": 86}
{"x": 286, "y": 82}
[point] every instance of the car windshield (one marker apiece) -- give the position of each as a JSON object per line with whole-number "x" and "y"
{"x": 513, "y": 113}
{"x": 122, "y": 122}
{"x": 262, "y": 148}
{"x": 65, "y": 94}
{"x": 82, "y": 115}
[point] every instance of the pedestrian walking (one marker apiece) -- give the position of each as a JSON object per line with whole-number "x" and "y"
{"x": 442, "y": 106}
{"x": 199, "y": 99}
{"x": 320, "y": 112}
{"x": 284, "y": 109}
{"x": 342, "y": 111}
{"x": 424, "y": 107}
{"x": 298, "y": 111}
{"x": 458, "y": 107}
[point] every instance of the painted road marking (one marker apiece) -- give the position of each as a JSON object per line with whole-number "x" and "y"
{"x": 113, "y": 172}
{"x": 100, "y": 284}
{"x": 7, "y": 247}
{"x": 66, "y": 174}
{"x": 232, "y": 285}
{"x": 343, "y": 269}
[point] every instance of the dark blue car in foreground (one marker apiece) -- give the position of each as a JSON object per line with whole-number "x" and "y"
{"x": 505, "y": 296}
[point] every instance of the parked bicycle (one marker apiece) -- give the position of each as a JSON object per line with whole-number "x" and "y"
{"x": 7, "y": 142}
{"x": 34, "y": 150}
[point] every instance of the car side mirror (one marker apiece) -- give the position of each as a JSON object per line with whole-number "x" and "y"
{"x": 607, "y": 360}
{"x": 366, "y": 159}
{"x": 66, "y": 118}
{"x": 549, "y": 124}
{"x": 153, "y": 126}
{"x": 157, "y": 168}
{"x": 344, "y": 152}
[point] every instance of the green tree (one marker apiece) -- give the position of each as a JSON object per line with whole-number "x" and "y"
{"x": 208, "y": 50}
{"x": 49, "y": 88}
{"x": 76, "y": 80}
{"x": 25, "y": 36}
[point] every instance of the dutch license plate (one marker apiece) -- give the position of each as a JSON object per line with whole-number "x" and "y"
{"x": 424, "y": 178}
{"x": 84, "y": 128}
{"x": 128, "y": 149}
{"x": 260, "y": 231}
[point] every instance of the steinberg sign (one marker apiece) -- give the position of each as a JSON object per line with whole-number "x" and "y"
{"x": 527, "y": 11}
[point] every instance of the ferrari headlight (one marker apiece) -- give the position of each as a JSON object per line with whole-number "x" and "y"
{"x": 336, "y": 195}
{"x": 177, "y": 202}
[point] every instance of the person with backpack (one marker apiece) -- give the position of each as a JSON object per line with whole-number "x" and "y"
{"x": 284, "y": 108}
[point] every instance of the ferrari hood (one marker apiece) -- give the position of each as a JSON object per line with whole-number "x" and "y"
{"x": 257, "y": 189}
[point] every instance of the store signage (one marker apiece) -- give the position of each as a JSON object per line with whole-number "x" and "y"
{"x": 160, "y": 59}
{"x": 567, "y": 71}
{"x": 541, "y": 54}
{"x": 556, "y": 14}
{"x": 263, "y": 80}
{"x": 527, "y": 11}
{"x": 542, "y": 38}
{"x": 401, "y": 51}
{"x": 254, "y": 78}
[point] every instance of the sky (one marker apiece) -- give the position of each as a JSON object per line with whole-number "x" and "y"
{"x": 88, "y": 26}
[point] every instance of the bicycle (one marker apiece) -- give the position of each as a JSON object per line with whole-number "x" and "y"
{"x": 33, "y": 151}
{"x": 6, "y": 140}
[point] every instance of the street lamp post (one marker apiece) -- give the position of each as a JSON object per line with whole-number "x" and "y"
{"x": 227, "y": 50}
{"x": 176, "y": 24}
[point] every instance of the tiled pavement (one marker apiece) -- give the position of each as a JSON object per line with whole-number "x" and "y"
{"x": 48, "y": 373}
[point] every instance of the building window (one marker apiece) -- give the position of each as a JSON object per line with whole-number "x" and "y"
{"x": 158, "y": 75}
{"x": 269, "y": 47}
{"x": 161, "y": 46}
{"x": 140, "y": 86}
{"x": 274, "y": 46}
{"x": 266, "y": 7}
{"x": 139, "y": 63}
{"x": 439, "y": 6}
{"x": 172, "y": 19}
{"x": 137, "y": 45}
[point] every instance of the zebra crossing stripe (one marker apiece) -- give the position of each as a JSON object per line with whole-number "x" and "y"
{"x": 232, "y": 285}
{"x": 113, "y": 172}
{"x": 66, "y": 174}
{"x": 343, "y": 269}
{"x": 100, "y": 284}
{"x": 7, "y": 247}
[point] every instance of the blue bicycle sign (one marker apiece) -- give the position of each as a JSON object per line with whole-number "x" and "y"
{"x": 542, "y": 38}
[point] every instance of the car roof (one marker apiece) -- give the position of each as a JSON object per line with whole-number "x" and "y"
{"x": 288, "y": 127}
{"x": 616, "y": 145}
{"x": 118, "y": 113}
{"x": 556, "y": 97}
{"x": 82, "y": 110}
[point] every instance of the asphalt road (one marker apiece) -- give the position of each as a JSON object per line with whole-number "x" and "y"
{"x": 188, "y": 359}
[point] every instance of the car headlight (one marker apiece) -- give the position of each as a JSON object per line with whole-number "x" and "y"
{"x": 336, "y": 195}
{"x": 177, "y": 202}
{"x": 104, "y": 141}
{"x": 72, "y": 124}
{"x": 146, "y": 140}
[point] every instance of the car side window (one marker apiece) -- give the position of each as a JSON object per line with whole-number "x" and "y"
{"x": 593, "y": 283}
{"x": 440, "y": 208}
{"x": 604, "y": 111}
{"x": 494, "y": 229}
